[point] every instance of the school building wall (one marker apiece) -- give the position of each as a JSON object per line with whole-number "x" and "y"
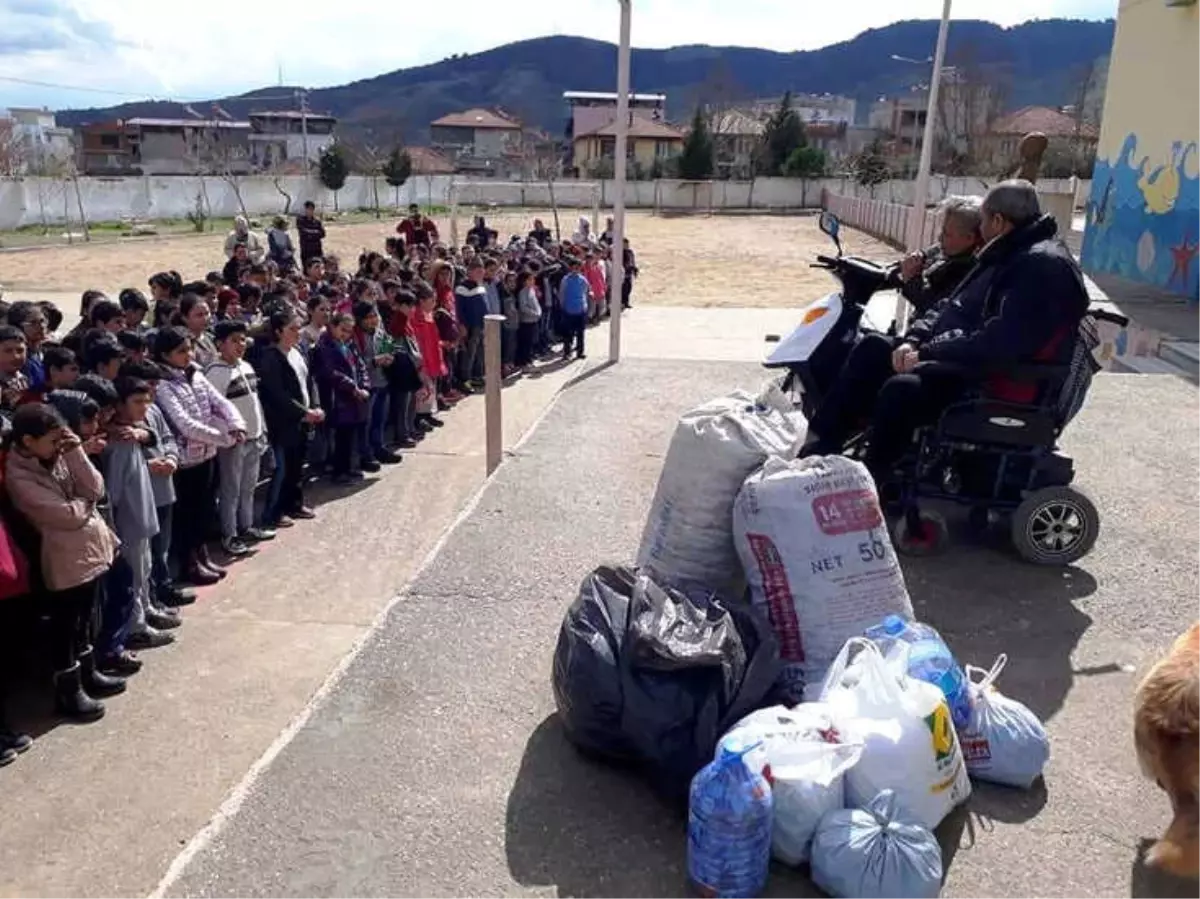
{"x": 1142, "y": 213}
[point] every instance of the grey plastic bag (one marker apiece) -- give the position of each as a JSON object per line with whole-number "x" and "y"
{"x": 868, "y": 853}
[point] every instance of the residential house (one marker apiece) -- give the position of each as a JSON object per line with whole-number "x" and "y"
{"x": 813, "y": 108}
{"x": 427, "y": 161}
{"x": 154, "y": 146}
{"x": 36, "y": 143}
{"x": 1069, "y": 137}
{"x": 589, "y": 110}
{"x": 737, "y": 135}
{"x": 648, "y": 141}
{"x": 284, "y": 139}
{"x": 480, "y": 141}
{"x": 1145, "y": 203}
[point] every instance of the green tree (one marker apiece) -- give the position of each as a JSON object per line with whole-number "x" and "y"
{"x": 805, "y": 162}
{"x": 397, "y": 169}
{"x": 696, "y": 160}
{"x": 333, "y": 169}
{"x": 782, "y": 136}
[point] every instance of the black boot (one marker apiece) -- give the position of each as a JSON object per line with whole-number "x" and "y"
{"x": 71, "y": 701}
{"x": 96, "y": 683}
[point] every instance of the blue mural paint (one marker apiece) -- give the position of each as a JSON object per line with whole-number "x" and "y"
{"x": 1144, "y": 223}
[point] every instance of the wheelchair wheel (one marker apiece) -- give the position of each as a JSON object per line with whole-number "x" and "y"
{"x": 1055, "y": 526}
{"x": 930, "y": 541}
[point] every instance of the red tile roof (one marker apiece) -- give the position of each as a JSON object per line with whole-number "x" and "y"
{"x": 477, "y": 118}
{"x": 1050, "y": 122}
{"x": 639, "y": 126}
{"x": 427, "y": 161}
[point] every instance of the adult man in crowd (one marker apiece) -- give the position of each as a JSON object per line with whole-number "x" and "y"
{"x": 926, "y": 277}
{"x": 311, "y": 231}
{"x": 1021, "y": 303}
{"x": 417, "y": 229}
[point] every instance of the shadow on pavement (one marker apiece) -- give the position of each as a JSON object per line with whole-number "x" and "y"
{"x": 1144, "y": 881}
{"x": 588, "y": 828}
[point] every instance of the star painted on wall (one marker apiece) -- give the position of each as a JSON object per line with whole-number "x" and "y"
{"x": 1182, "y": 256}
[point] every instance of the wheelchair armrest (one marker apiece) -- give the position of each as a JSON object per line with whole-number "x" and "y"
{"x": 1031, "y": 372}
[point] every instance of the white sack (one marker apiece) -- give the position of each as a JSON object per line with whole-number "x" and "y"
{"x": 817, "y": 554}
{"x": 688, "y": 538}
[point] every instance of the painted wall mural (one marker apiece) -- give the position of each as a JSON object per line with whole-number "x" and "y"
{"x": 1143, "y": 218}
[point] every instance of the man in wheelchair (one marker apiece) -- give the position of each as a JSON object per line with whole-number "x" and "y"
{"x": 1022, "y": 303}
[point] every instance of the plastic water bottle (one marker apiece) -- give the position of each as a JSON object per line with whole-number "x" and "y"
{"x": 929, "y": 659}
{"x": 729, "y": 827}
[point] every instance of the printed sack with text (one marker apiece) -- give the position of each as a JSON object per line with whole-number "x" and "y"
{"x": 818, "y": 558}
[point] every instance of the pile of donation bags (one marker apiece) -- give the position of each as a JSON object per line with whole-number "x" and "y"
{"x": 764, "y": 651}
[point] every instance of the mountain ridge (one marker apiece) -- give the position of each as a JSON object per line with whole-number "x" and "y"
{"x": 1037, "y": 59}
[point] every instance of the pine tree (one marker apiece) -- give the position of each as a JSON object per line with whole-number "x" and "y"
{"x": 696, "y": 160}
{"x": 782, "y": 136}
{"x": 805, "y": 162}
{"x": 333, "y": 169}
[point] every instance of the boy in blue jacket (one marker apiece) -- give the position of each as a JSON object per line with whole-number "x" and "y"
{"x": 574, "y": 297}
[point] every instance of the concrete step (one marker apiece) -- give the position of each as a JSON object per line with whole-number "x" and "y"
{"x": 1149, "y": 365}
{"x": 1183, "y": 354}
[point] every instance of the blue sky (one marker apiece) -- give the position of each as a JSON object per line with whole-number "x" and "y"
{"x": 130, "y": 49}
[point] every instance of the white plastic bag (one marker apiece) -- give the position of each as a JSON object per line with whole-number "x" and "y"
{"x": 688, "y": 538}
{"x": 818, "y": 558}
{"x": 909, "y": 743}
{"x": 1004, "y": 742}
{"x": 804, "y": 757}
{"x": 874, "y": 852}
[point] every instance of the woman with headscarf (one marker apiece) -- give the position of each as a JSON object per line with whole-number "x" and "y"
{"x": 241, "y": 234}
{"x": 583, "y": 235}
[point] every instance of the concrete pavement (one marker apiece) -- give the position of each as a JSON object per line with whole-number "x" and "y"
{"x": 434, "y": 764}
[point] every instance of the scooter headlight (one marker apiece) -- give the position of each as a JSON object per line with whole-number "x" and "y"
{"x": 813, "y": 314}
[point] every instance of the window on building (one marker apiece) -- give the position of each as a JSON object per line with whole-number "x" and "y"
{"x": 112, "y": 141}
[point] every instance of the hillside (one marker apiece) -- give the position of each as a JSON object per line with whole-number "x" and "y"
{"x": 1038, "y": 61}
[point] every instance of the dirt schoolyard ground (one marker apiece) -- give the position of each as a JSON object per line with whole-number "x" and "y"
{"x": 725, "y": 261}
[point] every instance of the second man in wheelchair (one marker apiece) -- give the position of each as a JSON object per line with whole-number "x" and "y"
{"x": 1021, "y": 302}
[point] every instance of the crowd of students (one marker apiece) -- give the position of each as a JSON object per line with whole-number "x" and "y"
{"x": 133, "y": 444}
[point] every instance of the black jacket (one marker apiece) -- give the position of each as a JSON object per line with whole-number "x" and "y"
{"x": 282, "y": 400}
{"x": 1022, "y": 302}
{"x": 311, "y": 232}
{"x": 941, "y": 277}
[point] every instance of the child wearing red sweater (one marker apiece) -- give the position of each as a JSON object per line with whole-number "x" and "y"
{"x": 433, "y": 363}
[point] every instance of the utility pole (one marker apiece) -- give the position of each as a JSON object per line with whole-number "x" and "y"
{"x": 622, "y": 137}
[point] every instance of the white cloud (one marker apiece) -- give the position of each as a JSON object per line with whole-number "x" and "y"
{"x": 217, "y": 47}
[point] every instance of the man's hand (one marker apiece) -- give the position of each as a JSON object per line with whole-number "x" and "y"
{"x": 384, "y": 359}
{"x": 314, "y": 416}
{"x": 363, "y": 395}
{"x": 912, "y": 265}
{"x": 904, "y": 358}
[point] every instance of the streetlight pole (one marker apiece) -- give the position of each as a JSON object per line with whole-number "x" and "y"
{"x": 617, "y": 281}
{"x": 916, "y": 217}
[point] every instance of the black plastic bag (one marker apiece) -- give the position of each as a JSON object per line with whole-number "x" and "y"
{"x": 646, "y": 674}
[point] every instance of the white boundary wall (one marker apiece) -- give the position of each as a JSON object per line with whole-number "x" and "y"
{"x": 30, "y": 201}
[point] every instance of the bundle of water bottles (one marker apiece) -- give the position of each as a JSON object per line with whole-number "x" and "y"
{"x": 854, "y": 781}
